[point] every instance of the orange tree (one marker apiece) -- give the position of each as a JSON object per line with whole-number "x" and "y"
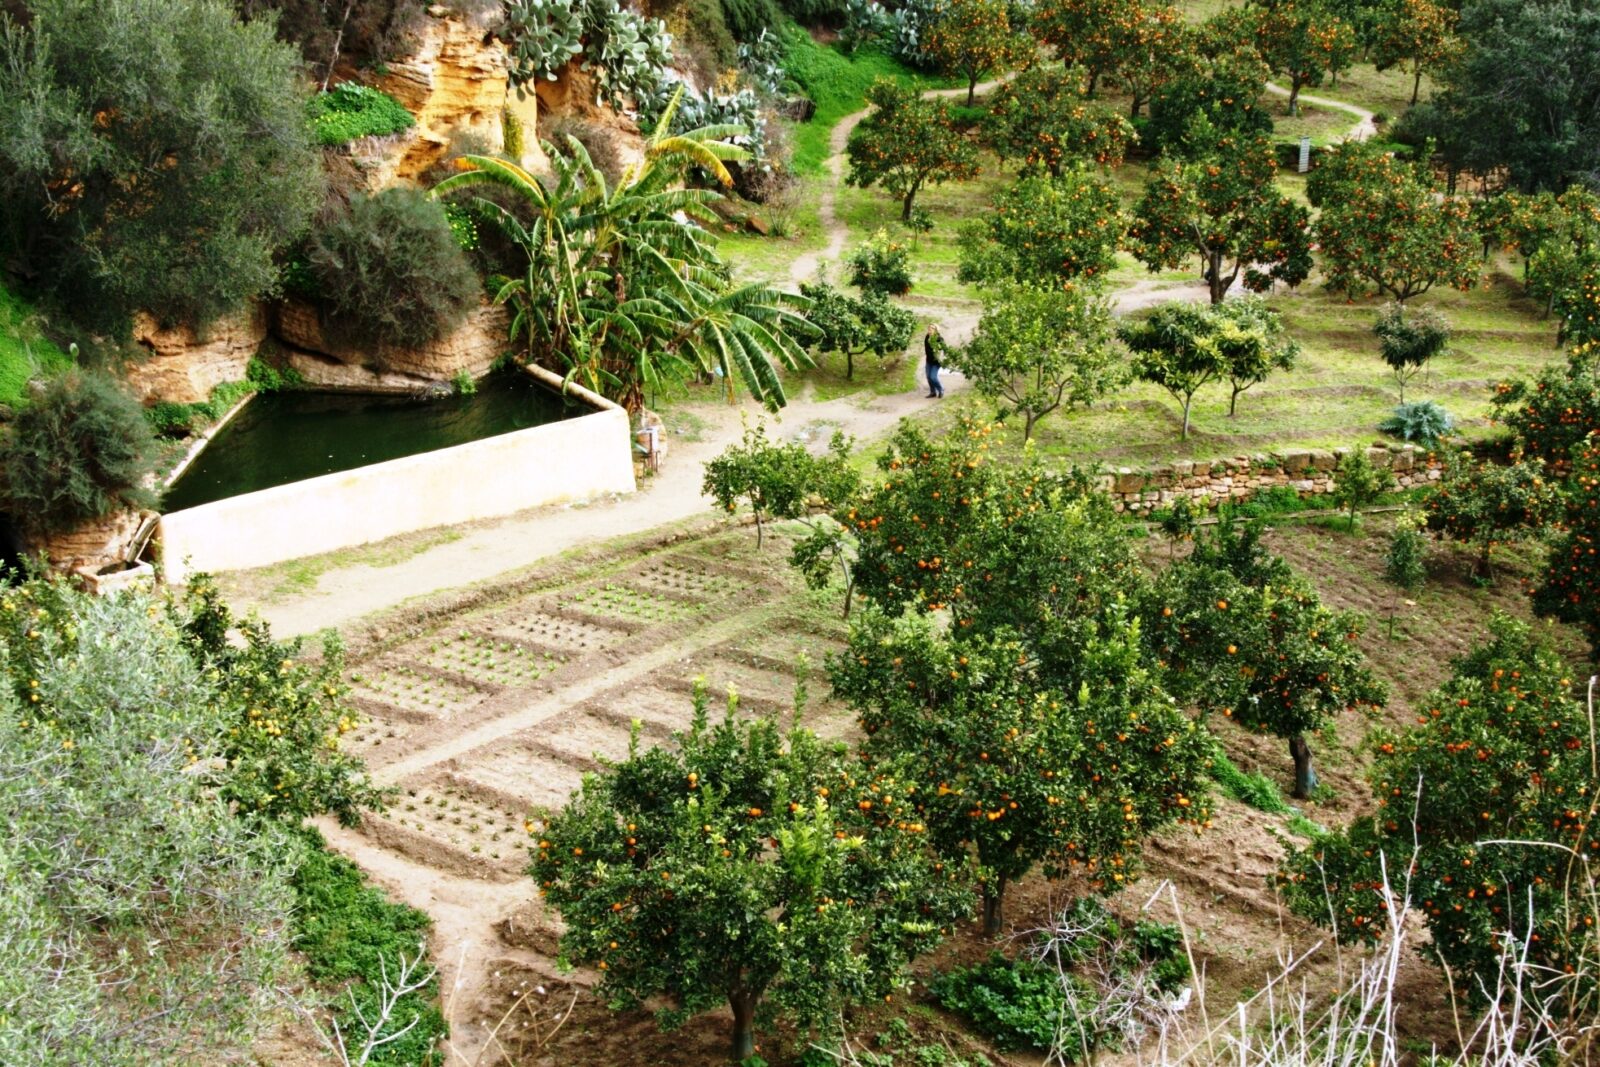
{"x": 972, "y": 38}
{"x": 1569, "y": 588}
{"x": 1061, "y": 755}
{"x": 1553, "y": 415}
{"x": 1382, "y": 226}
{"x": 857, "y": 327}
{"x": 744, "y": 867}
{"x": 1234, "y": 630}
{"x": 1224, "y": 207}
{"x": 1303, "y": 40}
{"x": 1486, "y": 819}
{"x": 907, "y": 142}
{"x": 1046, "y": 231}
{"x": 1042, "y": 118}
{"x": 940, "y": 526}
{"x": 783, "y": 481}
{"x": 1095, "y": 37}
{"x": 1161, "y": 49}
{"x": 1420, "y": 32}
{"x": 1175, "y": 348}
{"x": 1485, "y": 504}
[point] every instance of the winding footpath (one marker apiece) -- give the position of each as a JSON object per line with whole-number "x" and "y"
{"x": 343, "y": 594}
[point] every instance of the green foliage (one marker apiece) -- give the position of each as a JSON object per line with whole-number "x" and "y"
{"x": 154, "y": 155}
{"x": 80, "y": 451}
{"x": 1236, "y": 631}
{"x": 1042, "y": 118}
{"x": 282, "y": 716}
{"x": 1174, "y": 348}
{"x": 350, "y": 932}
{"x": 1016, "y": 1004}
{"x": 666, "y": 309}
{"x": 780, "y": 481}
{"x": 1405, "y": 563}
{"x": 748, "y": 18}
{"x": 1224, "y": 206}
{"x": 880, "y": 266}
{"x": 745, "y": 867}
{"x": 1223, "y": 91}
{"x": 1252, "y": 343}
{"x": 126, "y": 880}
{"x": 905, "y": 143}
{"x": 1569, "y": 588}
{"x": 390, "y": 271}
{"x": 1553, "y": 415}
{"x": 1046, "y": 231}
{"x": 1521, "y": 97}
{"x": 25, "y": 352}
{"x": 1485, "y": 820}
{"x": 351, "y": 110}
{"x": 1303, "y": 40}
{"x": 973, "y": 38}
{"x": 1383, "y": 228}
{"x": 836, "y": 82}
{"x": 1484, "y": 504}
{"x": 1359, "y": 483}
{"x": 1256, "y": 789}
{"x": 1038, "y": 349}
{"x": 1408, "y": 342}
{"x": 177, "y": 420}
{"x": 854, "y": 327}
{"x": 624, "y": 51}
{"x": 1422, "y": 422}
{"x": 1058, "y": 752}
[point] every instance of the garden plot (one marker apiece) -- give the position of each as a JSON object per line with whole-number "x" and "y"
{"x": 522, "y": 772}
{"x": 764, "y": 684}
{"x": 448, "y": 815}
{"x": 661, "y": 710}
{"x": 582, "y": 737}
{"x": 375, "y": 735}
{"x": 401, "y": 691}
{"x": 787, "y": 646}
{"x": 617, "y": 600}
{"x": 539, "y": 624}
{"x": 481, "y": 659}
{"x": 685, "y": 579}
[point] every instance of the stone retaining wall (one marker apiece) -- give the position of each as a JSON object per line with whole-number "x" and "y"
{"x": 1211, "y": 482}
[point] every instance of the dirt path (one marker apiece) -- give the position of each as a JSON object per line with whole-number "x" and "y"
{"x": 1364, "y": 127}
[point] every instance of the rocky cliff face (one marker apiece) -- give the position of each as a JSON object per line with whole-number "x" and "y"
{"x": 185, "y": 365}
{"x": 454, "y": 82}
{"x": 471, "y": 348}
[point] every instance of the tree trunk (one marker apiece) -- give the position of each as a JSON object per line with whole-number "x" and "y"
{"x": 1094, "y": 80}
{"x": 905, "y": 205}
{"x": 1416, "y": 85}
{"x": 849, "y": 365}
{"x": 993, "y": 903}
{"x": 972, "y": 88}
{"x": 1214, "y": 279}
{"x": 1028, "y": 419}
{"x": 758, "y": 528}
{"x": 1186, "y": 402}
{"x": 338, "y": 43}
{"x": 743, "y": 1003}
{"x": 1294, "y": 96}
{"x": 1305, "y": 778}
{"x": 1233, "y": 400}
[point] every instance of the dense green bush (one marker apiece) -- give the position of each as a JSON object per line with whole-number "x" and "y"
{"x": 154, "y": 154}
{"x": 351, "y": 110}
{"x": 747, "y": 18}
{"x": 125, "y": 880}
{"x": 80, "y": 451}
{"x": 1018, "y": 1005}
{"x": 391, "y": 272}
{"x": 366, "y": 31}
{"x": 880, "y": 266}
{"x": 350, "y": 932}
{"x": 25, "y": 352}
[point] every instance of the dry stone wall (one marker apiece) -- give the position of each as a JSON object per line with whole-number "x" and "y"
{"x": 1213, "y": 482}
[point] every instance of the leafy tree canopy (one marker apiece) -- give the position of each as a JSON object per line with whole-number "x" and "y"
{"x": 154, "y": 154}
{"x": 1046, "y": 231}
{"x": 868, "y": 326}
{"x": 907, "y": 142}
{"x": 974, "y": 37}
{"x": 1042, "y": 118}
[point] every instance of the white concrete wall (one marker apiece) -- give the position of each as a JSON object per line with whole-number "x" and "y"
{"x": 574, "y": 459}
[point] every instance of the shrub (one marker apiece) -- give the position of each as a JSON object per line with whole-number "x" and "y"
{"x": 80, "y": 451}
{"x": 366, "y": 31}
{"x": 1409, "y": 341}
{"x": 391, "y": 272}
{"x": 744, "y": 867}
{"x": 1017, "y": 1004}
{"x": 25, "y": 352}
{"x": 1552, "y": 415}
{"x": 1484, "y": 504}
{"x": 350, "y": 111}
{"x": 881, "y": 265}
{"x": 1421, "y": 421}
{"x": 1359, "y": 483}
{"x": 1569, "y": 588}
{"x": 186, "y": 138}
{"x": 1405, "y": 563}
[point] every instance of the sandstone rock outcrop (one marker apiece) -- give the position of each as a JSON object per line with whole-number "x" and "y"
{"x": 93, "y": 545}
{"x": 184, "y": 366}
{"x": 472, "y": 347}
{"x": 455, "y": 82}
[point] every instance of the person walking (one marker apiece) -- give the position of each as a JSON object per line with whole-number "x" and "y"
{"x": 932, "y": 342}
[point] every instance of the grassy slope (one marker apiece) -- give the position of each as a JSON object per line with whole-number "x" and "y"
{"x": 24, "y": 350}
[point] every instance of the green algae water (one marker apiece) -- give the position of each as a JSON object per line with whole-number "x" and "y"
{"x": 290, "y": 436}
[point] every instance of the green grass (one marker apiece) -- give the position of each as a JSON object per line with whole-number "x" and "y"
{"x": 24, "y": 351}
{"x": 1256, "y": 790}
{"x": 351, "y": 934}
{"x": 350, "y": 111}
{"x": 838, "y": 85}
{"x": 298, "y": 576}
